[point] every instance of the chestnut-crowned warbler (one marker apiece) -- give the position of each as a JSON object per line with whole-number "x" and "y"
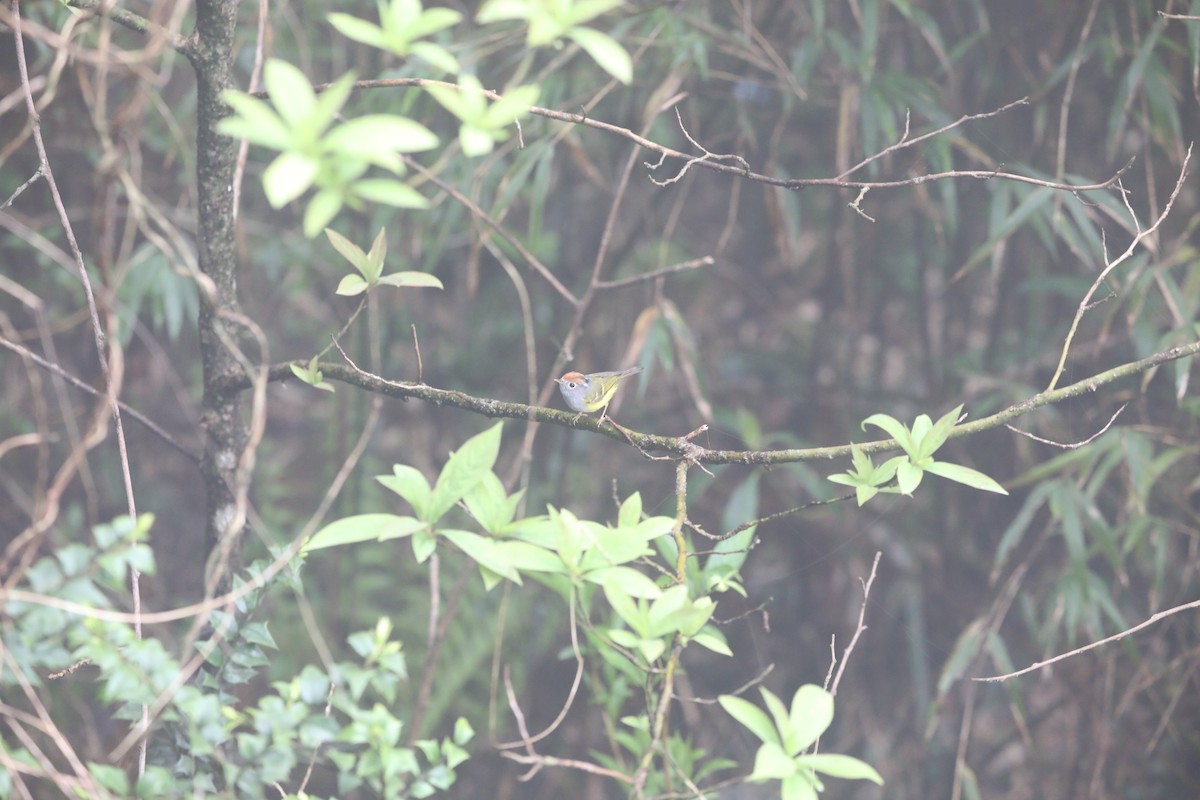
{"x": 593, "y": 392}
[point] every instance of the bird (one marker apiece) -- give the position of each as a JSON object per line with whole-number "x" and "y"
{"x": 592, "y": 392}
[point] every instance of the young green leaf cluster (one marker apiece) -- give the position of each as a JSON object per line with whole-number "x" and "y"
{"x": 919, "y": 443}
{"x": 401, "y": 24}
{"x": 317, "y": 151}
{"x": 787, "y": 733}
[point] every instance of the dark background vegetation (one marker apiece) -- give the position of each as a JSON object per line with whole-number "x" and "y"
{"x": 811, "y": 318}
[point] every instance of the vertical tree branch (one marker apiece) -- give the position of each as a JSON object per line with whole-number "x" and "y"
{"x": 211, "y": 54}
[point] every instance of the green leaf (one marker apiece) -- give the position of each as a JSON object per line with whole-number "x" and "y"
{"x": 530, "y": 557}
{"x": 664, "y": 611}
{"x": 411, "y": 280}
{"x": 424, "y": 543}
{"x": 799, "y": 787}
{"x": 651, "y": 649}
{"x": 864, "y": 493}
{"x": 362, "y": 528}
{"x": 608, "y": 547}
{"x": 477, "y": 141}
{"x": 921, "y": 427}
{"x": 772, "y": 763}
{"x": 893, "y": 428}
{"x": 501, "y": 10}
{"x": 255, "y": 121}
{"x": 487, "y": 503}
{"x": 485, "y": 552}
{"x": 290, "y": 91}
{"x": 301, "y": 373}
{"x": 511, "y": 106}
{"x": 466, "y": 102}
{"x": 311, "y": 375}
{"x": 840, "y": 766}
{"x": 605, "y": 51}
{"x": 434, "y": 20}
{"x": 436, "y": 56}
{"x": 752, "y": 717}
{"x": 962, "y": 655}
{"x": 965, "y": 475}
{"x": 463, "y": 732}
{"x": 631, "y": 511}
{"x": 409, "y": 483}
{"x": 351, "y": 285}
{"x": 1020, "y": 525}
{"x": 380, "y": 133}
{"x": 779, "y": 716}
{"x": 358, "y": 30}
{"x": 111, "y": 778}
{"x": 909, "y": 476}
{"x": 627, "y": 579}
{"x": 570, "y": 538}
{"x": 349, "y": 251}
{"x": 325, "y": 111}
{"x": 389, "y": 191}
{"x": 156, "y": 782}
{"x": 712, "y": 639}
{"x": 628, "y": 609}
{"x": 321, "y": 210}
{"x": 376, "y": 255}
{"x": 623, "y": 638}
{"x": 937, "y": 435}
{"x": 810, "y": 715}
{"x": 288, "y": 177}
{"x": 465, "y": 468}
{"x": 888, "y": 469}
{"x": 586, "y": 10}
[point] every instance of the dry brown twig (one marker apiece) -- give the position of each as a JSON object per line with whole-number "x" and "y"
{"x": 526, "y": 740}
{"x": 687, "y": 165}
{"x": 858, "y": 630}
{"x": 1074, "y": 445}
{"x": 1116, "y": 637}
{"x": 1112, "y": 263}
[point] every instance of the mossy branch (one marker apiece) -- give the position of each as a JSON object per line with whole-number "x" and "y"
{"x": 679, "y": 447}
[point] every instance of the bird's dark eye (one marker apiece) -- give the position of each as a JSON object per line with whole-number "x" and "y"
{"x": 571, "y": 384}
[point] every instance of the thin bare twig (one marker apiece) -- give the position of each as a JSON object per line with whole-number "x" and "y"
{"x": 255, "y": 75}
{"x": 632, "y": 279}
{"x": 904, "y": 141}
{"x": 708, "y": 156}
{"x": 528, "y": 740}
{"x": 1110, "y": 265}
{"x": 417, "y": 348}
{"x": 1116, "y": 637}
{"x": 432, "y": 654}
{"x": 745, "y": 687}
{"x": 533, "y": 261}
{"x": 858, "y": 630}
{"x": 109, "y": 355}
{"x": 55, "y": 369}
{"x": 1069, "y": 91}
{"x": 785, "y": 183}
{"x": 37, "y": 174}
{"x": 47, "y": 724}
{"x": 1075, "y": 445}
{"x": 720, "y": 537}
